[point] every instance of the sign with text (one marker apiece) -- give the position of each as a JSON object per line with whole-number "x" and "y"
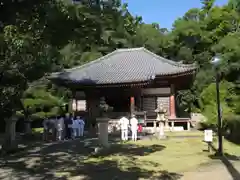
{"x": 208, "y": 135}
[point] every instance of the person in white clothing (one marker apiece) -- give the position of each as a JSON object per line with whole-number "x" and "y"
{"x": 81, "y": 125}
{"x": 78, "y": 126}
{"x": 134, "y": 127}
{"x": 75, "y": 125}
{"x": 124, "y": 123}
{"x": 59, "y": 127}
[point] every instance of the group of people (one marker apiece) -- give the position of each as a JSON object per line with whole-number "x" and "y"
{"x": 125, "y": 124}
{"x": 63, "y": 127}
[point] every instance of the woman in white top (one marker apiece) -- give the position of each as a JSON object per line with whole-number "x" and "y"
{"x": 81, "y": 125}
{"x": 74, "y": 127}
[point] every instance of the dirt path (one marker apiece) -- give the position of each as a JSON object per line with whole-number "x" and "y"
{"x": 219, "y": 171}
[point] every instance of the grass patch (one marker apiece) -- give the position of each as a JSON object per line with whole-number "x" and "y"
{"x": 229, "y": 148}
{"x": 145, "y": 159}
{"x": 157, "y": 157}
{"x": 163, "y": 157}
{"x": 37, "y": 130}
{"x": 184, "y": 133}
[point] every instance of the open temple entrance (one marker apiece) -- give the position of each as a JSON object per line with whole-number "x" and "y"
{"x": 120, "y": 102}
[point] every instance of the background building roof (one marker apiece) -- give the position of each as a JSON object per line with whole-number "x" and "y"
{"x": 124, "y": 66}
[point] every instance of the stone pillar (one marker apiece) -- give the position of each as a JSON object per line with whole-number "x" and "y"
{"x": 155, "y": 127}
{"x": 172, "y": 125}
{"x": 188, "y": 126}
{"x": 166, "y": 125}
{"x": 172, "y": 103}
{"x": 161, "y": 129}
{"x": 10, "y": 143}
{"x": 103, "y": 131}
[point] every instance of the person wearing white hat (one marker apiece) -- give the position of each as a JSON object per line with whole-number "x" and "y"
{"x": 124, "y": 123}
{"x": 134, "y": 127}
{"x": 75, "y": 126}
{"x": 81, "y": 125}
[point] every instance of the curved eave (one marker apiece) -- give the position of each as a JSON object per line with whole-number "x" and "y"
{"x": 65, "y": 82}
{"x": 76, "y": 84}
{"x": 178, "y": 74}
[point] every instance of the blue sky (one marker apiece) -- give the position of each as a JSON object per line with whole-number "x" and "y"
{"x": 163, "y": 12}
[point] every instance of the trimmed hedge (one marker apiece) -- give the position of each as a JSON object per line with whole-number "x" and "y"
{"x": 231, "y": 127}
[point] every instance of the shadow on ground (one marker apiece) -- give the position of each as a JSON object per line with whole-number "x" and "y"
{"x": 129, "y": 150}
{"x": 227, "y": 160}
{"x": 71, "y": 159}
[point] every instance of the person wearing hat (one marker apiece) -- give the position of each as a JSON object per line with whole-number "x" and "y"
{"x": 68, "y": 125}
{"x": 124, "y": 123}
{"x": 45, "y": 129}
{"x": 134, "y": 127}
{"x": 75, "y": 126}
{"x": 59, "y": 128}
{"x": 81, "y": 125}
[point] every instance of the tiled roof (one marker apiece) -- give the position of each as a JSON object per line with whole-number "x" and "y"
{"x": 123, "y": 66}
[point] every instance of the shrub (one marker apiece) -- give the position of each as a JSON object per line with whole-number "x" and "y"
{"x": 208, "y": 101}
{"x": 231, "y": 127}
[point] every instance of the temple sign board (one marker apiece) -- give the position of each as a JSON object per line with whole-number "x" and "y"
{"x": 208, "y": 135}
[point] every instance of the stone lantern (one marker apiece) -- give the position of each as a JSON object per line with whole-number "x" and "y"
{"x": 102, "y": 121}
{"x": 161, "y": 119}
{"x": 10, "y": 143}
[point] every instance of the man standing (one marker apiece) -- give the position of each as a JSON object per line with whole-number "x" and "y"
{"x": 75, "y": 125}
{"x": 68, "y": 122}
{"x": 124, "y": 123}
{"x": 81, "y": 126}
{"x": 45, "y": 129}
{"x": 78, "y": 126}
{"x": 59, "y": 127}
{"x": 134, "y": 127}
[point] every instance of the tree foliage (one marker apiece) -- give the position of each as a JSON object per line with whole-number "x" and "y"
{"x": 38, "y": 37}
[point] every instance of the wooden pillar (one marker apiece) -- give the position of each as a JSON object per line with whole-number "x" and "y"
{"x": 73, "y": 103}
{"x": 172, "y": 107}
{"x": 132, "y": 105}
{"x": 92, "y": 99}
